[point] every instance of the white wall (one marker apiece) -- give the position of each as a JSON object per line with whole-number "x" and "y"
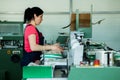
{"x": 18, "y": 6}
{"x": 108, "y": 31}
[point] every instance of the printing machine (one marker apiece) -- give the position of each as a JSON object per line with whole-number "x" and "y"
{"x": 83, "y": 52}
{"x": 11, "y": 42}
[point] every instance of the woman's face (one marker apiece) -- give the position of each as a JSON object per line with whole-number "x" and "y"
{"x": 38, "y": 19}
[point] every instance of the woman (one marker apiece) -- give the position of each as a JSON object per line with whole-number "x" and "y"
{"x": 33, "y": 39}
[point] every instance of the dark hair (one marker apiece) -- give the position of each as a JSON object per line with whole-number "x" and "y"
{"x": 29, "y": 13}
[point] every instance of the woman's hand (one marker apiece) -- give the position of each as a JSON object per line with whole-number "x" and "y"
{"x": 57, "y": 48}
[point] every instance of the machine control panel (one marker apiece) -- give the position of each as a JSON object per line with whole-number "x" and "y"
{"x": 16, "y": 52}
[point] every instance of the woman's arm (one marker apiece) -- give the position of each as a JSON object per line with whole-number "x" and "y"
{"x": 36, "y": 47}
